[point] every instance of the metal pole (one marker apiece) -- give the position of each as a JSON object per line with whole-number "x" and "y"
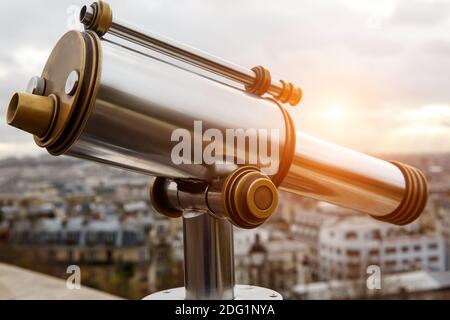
{"x": 208, "y": 257}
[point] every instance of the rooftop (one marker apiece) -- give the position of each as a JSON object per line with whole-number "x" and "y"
{"x": 21, "y": 284}
{"x": 410, "y": 282}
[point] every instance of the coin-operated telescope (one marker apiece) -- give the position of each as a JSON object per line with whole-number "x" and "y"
{"x": 216, "y": 136}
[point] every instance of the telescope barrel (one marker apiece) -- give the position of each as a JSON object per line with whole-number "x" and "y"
{"x": 338, "y": 175}
{"x": 140, "y": 104}
{"x": 113, "y": 104}
{"x": 320, "y": 170}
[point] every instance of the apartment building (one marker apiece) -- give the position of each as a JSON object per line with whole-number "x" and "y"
{"x": 348, "y": 246}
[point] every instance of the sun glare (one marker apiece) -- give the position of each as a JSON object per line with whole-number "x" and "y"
{"x": 336, "y": 113}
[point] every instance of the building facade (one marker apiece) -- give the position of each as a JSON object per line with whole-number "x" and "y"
{"x": 348, "y": 246}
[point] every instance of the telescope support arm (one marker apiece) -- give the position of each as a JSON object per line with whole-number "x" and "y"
{"x": 247, "y": 197}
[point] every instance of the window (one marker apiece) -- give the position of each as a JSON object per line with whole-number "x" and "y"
{"x": 405, "y": 249}
{"x": 142, "y": 256}
{"x": 390, "y": 250}
{"x": 91, "y": 256}
{"x": 72, "y": 237}
{"x": 391, "y": 263}
{"x": 433, "y": 246}
{"x": 353, "y": 266}
{"x": 69, "y": 255}
{"x": 433, "y": 259}
{"x": 91, "y": 238}
{"x": 417, "y": 247}
{"x": 351, "y": 236}
{"x": 376, "y": 235}
{"x": 109, "y": 256}
{"x": 353, "y": 253}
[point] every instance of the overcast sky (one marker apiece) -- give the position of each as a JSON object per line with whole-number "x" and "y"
{"x": 375, "y": 73}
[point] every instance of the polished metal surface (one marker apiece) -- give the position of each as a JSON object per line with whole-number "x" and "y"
{"x": 320, "y": 170}
{"x": 72, "y": 82}
{"x": 188, "y": 54}
{"x": 344, "y": 177}
{"x": 241, "y": 292}
{"x": 181, "y": 52}
{"x": 141, "y": 101}
{"x": 208, "y": 257}
{"x": 86, "y": 15}
{"x": 192, "y": 199}
{"x": 36, "y": 85}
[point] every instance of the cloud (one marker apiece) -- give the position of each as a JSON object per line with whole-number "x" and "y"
{"x": 19, "y": 149}
{"x": 29, "y": 60}
{"x": 4, "y": 71}
{"x": 425, "y": 13}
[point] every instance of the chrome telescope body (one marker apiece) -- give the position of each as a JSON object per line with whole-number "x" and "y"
{"x": 98, "y": 17}
{"x": 117, "y": 96}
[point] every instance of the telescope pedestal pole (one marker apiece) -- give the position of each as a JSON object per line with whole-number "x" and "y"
{"x": 208, "y": 257}
{"x": 209, "y": 263}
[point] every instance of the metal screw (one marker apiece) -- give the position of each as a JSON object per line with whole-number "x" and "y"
{"x": 167, "y": 291}
{"x": 72, "y": 82}
{"x": 36, "y": 85}
{"x": 273, "y": 295}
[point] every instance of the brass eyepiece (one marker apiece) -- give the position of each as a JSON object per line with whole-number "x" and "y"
{"x": 32, "y": 113}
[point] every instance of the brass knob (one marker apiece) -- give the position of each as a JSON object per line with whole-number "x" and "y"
{"x": 32, "y": 113}
{"x": 249, "y": 197}
{"x": 97, "y": 17}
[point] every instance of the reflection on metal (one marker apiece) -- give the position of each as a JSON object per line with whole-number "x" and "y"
{"x": 98, "y": 18}
{"x": 350, "y": 179}
{"x": 140, "y": 102}
{"x": 72, "y": 83}
{"x": 36, "y": 85}
{"x": 208, "y": 257}
{"x": 344, "y": 177}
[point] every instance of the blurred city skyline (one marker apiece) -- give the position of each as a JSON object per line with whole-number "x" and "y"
{"x": 375, "y": 74}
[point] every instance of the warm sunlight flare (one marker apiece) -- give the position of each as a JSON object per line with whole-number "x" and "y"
{"x": 336, "y": 112}
{"x": 431, "y": 112}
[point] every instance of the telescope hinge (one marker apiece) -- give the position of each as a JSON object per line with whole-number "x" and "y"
{"x": 247, "y": 197}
